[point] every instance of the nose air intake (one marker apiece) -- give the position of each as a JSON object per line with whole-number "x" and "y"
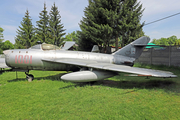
{"x": 6, "y": 52}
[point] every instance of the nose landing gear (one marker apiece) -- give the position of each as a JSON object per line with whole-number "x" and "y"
{"x": 29, "y": 77}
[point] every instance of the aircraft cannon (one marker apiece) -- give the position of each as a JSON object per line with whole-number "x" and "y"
{"x": 87, "y": 76}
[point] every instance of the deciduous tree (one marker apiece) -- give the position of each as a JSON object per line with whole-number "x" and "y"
{"x": 1, "y": 39}
{"x": 7, "y": 45}
{"x": 173, "y": 40}
{"x": 1, "y": 35}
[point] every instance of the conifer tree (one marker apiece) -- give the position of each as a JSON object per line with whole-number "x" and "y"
{"x": 96, "y": 25}
{"x": 108, "y": 19}
{"x": 42, "y": 27}
{"x": 26, "y": 33}
{"x": 56, "y": 28}
{"x": 131, "y": 28}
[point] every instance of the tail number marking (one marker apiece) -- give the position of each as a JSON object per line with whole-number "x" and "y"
{"x": 26, "y": 59}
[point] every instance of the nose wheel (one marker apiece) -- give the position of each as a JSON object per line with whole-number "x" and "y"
{"x": 29, "y": 77}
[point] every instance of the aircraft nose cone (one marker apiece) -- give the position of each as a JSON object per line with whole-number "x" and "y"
{"x": 6, "y": 52}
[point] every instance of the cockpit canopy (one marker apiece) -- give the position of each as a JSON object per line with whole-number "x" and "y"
{"x": 45, "y": 47}
{"x": 50, "y": 47}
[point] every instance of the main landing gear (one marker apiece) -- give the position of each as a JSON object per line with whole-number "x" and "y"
{"x": 29, "y": 77}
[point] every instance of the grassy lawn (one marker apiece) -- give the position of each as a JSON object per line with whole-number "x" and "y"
{"x": 119, "y": 97}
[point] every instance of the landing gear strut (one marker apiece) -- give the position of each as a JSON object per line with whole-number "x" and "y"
{"x": 29, "y": 77}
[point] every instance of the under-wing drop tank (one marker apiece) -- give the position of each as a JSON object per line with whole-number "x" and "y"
{"x": 87, "y": 76}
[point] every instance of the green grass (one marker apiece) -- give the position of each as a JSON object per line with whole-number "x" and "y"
{"x": 119, "y": 97}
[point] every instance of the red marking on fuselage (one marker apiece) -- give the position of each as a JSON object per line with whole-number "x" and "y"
{"x": 31, "y": 59}
{"x": 20, "y": 59}
{"x": 26, "y": 59}
{"x": 16, "y": 59}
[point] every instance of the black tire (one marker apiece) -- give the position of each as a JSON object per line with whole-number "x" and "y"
{"x": 30, "y": 77}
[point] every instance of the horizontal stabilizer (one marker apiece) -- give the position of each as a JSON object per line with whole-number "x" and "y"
{"x": 68, "y": 45}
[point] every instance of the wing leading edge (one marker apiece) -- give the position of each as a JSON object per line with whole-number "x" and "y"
{"x": 112, "y": 67}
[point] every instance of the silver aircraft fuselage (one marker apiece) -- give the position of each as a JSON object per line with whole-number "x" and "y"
{"x": 32, "y": 59}
{"x": 90, "y": 66}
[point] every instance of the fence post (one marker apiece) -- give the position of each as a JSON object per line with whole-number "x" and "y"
{"x": 151, "y": 55}
{"x": 169, "y": 55}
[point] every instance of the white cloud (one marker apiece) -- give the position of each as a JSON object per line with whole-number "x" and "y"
{"x": 164, "y": 33}
{"x": 11, "y": 38}
{"x": 9, "y": 28}
{"x": 158, "y": 6}
{"x": 155, "y": 10}
{"x": 9, "y": 32}
{"x": 71, "y": 12}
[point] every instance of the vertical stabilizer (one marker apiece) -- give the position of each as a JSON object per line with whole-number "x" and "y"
{"x": 95, "y": 49}
{"x": 134, "y": 49}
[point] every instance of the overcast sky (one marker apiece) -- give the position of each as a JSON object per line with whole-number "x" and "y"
{"x": 71, "y": 11}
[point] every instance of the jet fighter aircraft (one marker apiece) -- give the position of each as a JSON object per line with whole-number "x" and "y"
{"x": 89, "y": 66}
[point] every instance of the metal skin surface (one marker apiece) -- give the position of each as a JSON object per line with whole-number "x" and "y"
{"x": 16, "y": 59}
{"x": 91, "y": 66}
{"x": 86, "y": 76}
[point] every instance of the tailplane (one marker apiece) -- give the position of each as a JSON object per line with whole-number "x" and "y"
{"x": 134, "y": 49}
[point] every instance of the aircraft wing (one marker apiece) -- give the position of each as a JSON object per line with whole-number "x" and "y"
{"x": 3, "y": 63}
{"x": 112, "y": 67}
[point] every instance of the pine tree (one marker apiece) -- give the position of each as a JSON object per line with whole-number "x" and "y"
{"x": 108, "y": 19}
{"x": 42, "y": 27}
{"x": 96, "y": 26}
{"x": 26, "y": 33}
{"x": 56, "y": 28}
{"x": 131, "y": 28}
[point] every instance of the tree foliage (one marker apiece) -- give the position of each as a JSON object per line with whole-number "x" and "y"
{"x": 108, "y": 19}
{"x": 1, "y": 35}
{"x": 96, "y": 25}
{"x": 170, "y": 41}
{"x": 49, "y": 29}
{"x": 56, "y": 28}
{"x": 72, "y": 37}
{"x": 26, "y": 33}
{"x": 129, "y": 21}
{"x": 4, "y": 45}
{"x": 7, "y": 45}
{"x": 1, "y": 39}
{"x": 42, "y": 30}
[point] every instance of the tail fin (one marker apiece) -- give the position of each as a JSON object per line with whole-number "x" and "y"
{"x": 134, "y": 49}
{"x": 95, "y": 49}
